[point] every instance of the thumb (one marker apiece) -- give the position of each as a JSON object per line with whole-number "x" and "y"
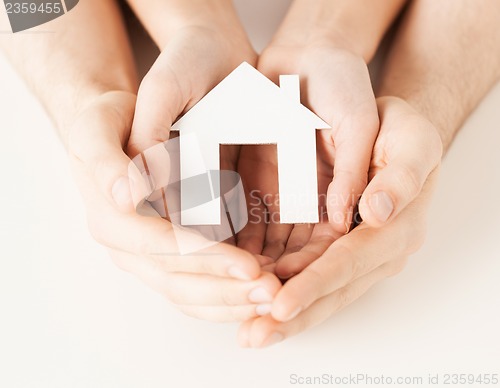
{"x": 401, "y": 180}
{"x": 164, "y": 94}
{"x": 95, "y": 142}
{"x": 390, "y": 191}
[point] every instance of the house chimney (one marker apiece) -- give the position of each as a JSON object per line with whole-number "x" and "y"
{"x": 290, "y": 87}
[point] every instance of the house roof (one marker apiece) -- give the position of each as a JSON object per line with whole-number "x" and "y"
{"x": 246, "y": 98}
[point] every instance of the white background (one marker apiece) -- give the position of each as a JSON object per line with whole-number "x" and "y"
{"x": 69, "y": 318}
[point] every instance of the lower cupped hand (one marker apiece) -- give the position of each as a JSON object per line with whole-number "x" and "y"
{"x": 404, "y": 167}
{"x": 218, "y": 283}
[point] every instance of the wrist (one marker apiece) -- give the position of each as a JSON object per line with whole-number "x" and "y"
{"x": 436, "y": 116}
{"x": 65, "y": 108}
{"x": 356, "y": 26}
{"x": 164, "y": 19}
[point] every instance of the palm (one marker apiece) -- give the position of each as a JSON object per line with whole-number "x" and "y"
{"x": 264, "y": 234}
{"x": 321, "y": 69}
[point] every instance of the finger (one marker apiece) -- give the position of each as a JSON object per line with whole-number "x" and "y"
{"x": 158, "y": 240}
{"x": 229, "y": 155}
{"x": 409, "y": 165}
{"x": 299, "y": 236}
{"x": 264, "y": 260}
{"x": 349, "y": 258}
{"x": 222, "y": 314}
{"x": 266, "y": 331}
{"x": 276, "y": 233}
{"x": 192, "y": 289}
{"x": 353, "y": 138}
{"x": 96, "y": 142}
{"x": 199, "y": 289}
{"x": 323, "y": 235}
{"x": 251, "y": 237}
{"x": 186, "y": 70}
{"x": 161, "y": 98}
{"x": 276, "y": 237}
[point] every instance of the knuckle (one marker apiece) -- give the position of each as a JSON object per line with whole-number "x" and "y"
{"x": 345, "y": 297}
{"x": 358, "y": 177}
{"x": 407, "y": 181}
{"x": 361, "y": 119}
{"x": 353, "y": 264}
{"x": 226, "y": 296}
{"x": 206, "y": 266}
{"x": 396, "y": 266}
{"x": 151, "y": 80}
{"x": 96, "y": 165}
{"x": 316, "y": 278}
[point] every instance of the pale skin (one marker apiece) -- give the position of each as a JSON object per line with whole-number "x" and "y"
{"x": 424, "y": 106}
{"x": 95, "y": 125}
{"x": 425, "y": 74}
{"x": 327, "y": 43}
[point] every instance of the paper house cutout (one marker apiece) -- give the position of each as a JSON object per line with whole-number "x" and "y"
{"x": 248, "y": 108}
{"x": 156, "y": 192}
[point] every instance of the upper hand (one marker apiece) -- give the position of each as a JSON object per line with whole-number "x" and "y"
{"x": 336, "y": 85}
{"x": 195, "y": 59}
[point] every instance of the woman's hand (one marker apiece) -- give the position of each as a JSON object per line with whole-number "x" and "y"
{"x": 404, "y": 165}
{"x": 204, "y": 43}
{"x": 336, "y": 85}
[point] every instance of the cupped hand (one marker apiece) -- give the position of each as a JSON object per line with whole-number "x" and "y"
{"x": 335, "y": 85}
{"x": 218, "y": 283}
{"x": 195, "y": 59}
{"x": 404, "y": 165}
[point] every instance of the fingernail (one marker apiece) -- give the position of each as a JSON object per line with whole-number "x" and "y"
{"x": 293, "y": 314}
{"x": 238, "y": 273}
{"x": 260, "y": 295}
{"x": 263, "y": 309}
{"x": 121, "y": 192}
{"x": 287, "y": 276}
{"x": 348, "y": 219}
{"x": 274, "y": 339}
{"x": 381, "y": 205}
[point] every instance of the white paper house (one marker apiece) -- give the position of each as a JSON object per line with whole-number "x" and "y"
{"x": 248, "y": 108}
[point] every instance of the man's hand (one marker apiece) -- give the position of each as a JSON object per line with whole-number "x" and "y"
{"x": 328, "y": 43}
{"x": 220, "y": 283}
{"x": 405, "y": 161}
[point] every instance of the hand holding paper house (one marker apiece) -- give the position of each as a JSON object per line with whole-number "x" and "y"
{"x": 248, "y": 108}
